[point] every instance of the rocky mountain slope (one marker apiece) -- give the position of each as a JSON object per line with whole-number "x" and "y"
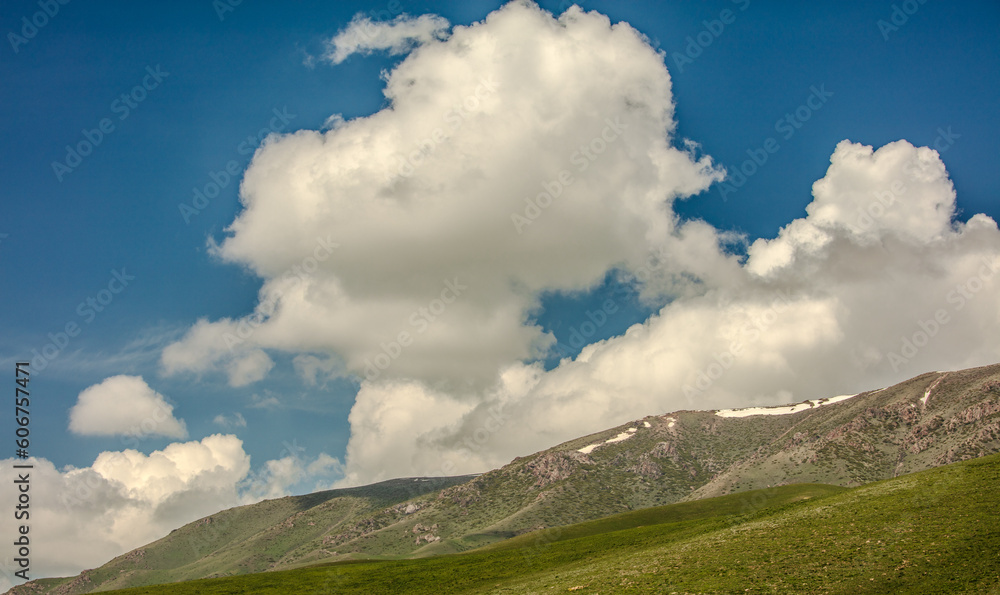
{"x": 934, "y": 532}
{"x": 930, "y": 420}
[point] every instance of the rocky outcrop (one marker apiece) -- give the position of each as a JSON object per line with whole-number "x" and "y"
{"x": 646, "y": 468}
{"x": 463, "y": 495}
{"x": 555, "y": 466}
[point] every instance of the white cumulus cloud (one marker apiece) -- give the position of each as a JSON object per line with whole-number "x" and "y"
{"x": 124, "y": 406}
{"x": 218, "y": 345}
{"x": 83, "y": 517}
{"x": 520, "y": 156}
{"x": 529, "y": 154}
{"x": 858, "y": 294}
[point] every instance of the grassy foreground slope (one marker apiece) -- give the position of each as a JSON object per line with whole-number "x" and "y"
{"x": 936, "y": 531}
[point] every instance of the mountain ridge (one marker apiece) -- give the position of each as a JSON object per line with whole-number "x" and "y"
{"x": 930, "y": 532}
{"x": 927, "y": 421}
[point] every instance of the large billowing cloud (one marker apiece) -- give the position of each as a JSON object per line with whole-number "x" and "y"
{"x": 876, "y": 284}
{"x": 81, "y": 518}
{"x": 528, "y": 154}
{"x": 124, "y": 406}
{"x": 521, "y": 155}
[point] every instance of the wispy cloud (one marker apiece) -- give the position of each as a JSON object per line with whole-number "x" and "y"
{"x": 397, "y": 36}
{"x": 268, "y": 401}
{"x": 140, "y": 354}
{"x": 230, "y": 422}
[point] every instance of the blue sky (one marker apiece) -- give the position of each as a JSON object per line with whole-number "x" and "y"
{"x": 223, "y": 77}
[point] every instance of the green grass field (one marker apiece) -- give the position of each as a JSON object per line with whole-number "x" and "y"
{"x": 937, "y": 531}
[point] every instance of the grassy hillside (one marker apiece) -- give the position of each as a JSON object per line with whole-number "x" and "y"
{"x": 245, "y": 539}
{"x": 935, "y": 531}
{"x": 931, "y": 420}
